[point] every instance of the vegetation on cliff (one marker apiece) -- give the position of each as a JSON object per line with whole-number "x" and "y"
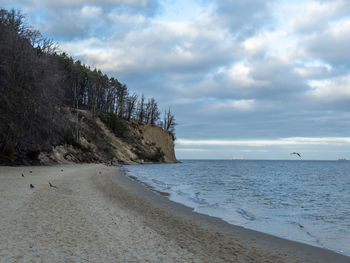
{"x": 44, "y": 93}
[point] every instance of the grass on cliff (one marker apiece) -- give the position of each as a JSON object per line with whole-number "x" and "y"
{"x": 117, "y": 125}
{"x": 122, "y": 129}
{"x": 156, "y": 157}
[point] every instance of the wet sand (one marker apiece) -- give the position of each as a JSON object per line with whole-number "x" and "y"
{"x": 95, "y": 213}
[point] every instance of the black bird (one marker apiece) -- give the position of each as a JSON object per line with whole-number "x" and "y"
{"x": 31, "y": 186}
{"x": 30, "y": 171}
{"x": 296, "y": 154}
{"x": 22, "y": 175}
{"x": 51, "y": 185}
{"x": 61, "y": 170}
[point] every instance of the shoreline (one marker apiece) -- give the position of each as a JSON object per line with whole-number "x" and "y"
{"x": 96, "y": 213}
{"x": 167, "y": 195}
{"x": 261, "y": 240}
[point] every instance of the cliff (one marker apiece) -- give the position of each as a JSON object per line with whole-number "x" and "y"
{"x": 103, "y": 139}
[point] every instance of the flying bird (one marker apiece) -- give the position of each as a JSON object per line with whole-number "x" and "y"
{"x": 51, "y": 185}
{"x": 296, "y": 154}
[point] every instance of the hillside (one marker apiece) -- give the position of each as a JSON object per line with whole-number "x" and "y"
{"x": 57, "y": 109}
{"x": 134, "y": 142}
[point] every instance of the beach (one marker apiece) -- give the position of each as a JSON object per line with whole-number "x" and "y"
{"x": 95, "y": 213}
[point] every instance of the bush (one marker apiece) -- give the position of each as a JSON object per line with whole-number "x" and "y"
{"x": 157, "y": 156}
{"x": 117, "y": 125}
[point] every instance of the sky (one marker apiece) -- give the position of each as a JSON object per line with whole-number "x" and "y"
{"x": 254, "y": 79}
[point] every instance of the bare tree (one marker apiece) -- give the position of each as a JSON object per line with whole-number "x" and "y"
{"x": 169, "y": 121}
{"x": 130, "y": 106}
{"x": 122, "y": 93}
{"x": 141, "y": 109}
{"x": 30, "y": 88}
{"x": 152, "y": 112}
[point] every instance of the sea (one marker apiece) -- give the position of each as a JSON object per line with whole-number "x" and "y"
{"x": 304, "y": 201}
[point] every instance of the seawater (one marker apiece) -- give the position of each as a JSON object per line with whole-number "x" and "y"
{"x": 305, "y": 201}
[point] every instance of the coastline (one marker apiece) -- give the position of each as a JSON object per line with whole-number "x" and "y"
{"x": 99, "y": 214}
{"x": 291, "y": 251}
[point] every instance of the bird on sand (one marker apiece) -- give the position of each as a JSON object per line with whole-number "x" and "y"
{"x": 51, "y": 185}
{"x": 22, "y": 175}
{"x": 296, "y": 154}
{"x": 31, "y": 186}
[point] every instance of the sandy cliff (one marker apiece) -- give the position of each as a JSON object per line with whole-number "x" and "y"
{"x": 139, "y": 143}
{"x": 162, "y": 139}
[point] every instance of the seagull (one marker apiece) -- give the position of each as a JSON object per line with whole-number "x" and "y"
{"x": 51, "y": 185}
{"x": 296, "y": 154}
{"x": 31, "y": 186}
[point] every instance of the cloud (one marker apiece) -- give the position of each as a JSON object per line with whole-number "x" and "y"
{"x": 191, "y": 150}
{"x": 314, "y": 69}
{"x": 170, "y": 47}
{"x": 144, "y": 6}
{"x": 331, "y": 90}
{"x": 331, "y": 45}
{"x": 310, "y": 16}
{"x": 71, "y": 20}
{"x": 258, "y": 143}
{"x": 239, "y": 105}
{"x": 242, "y": 17}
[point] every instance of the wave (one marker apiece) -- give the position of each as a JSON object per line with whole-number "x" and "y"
{"x": 245, "y": 214}
{"x": 161, "y": 184}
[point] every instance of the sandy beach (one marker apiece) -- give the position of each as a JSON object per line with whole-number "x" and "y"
{"x": 94, "y": 213}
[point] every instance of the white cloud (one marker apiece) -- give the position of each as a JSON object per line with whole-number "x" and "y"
{"x": 239, "y": 105}
{"x": 331, "y": 90}
{"x": 154, "y": 45}
{"x": 91, "y": 11}
{"x": 309, "y": 16}
{"x": 272, "y": 43}
{"x": 330, "y": 45}
{"x": 313, "y": 69}
{"x": 140, "y": 3}
{"x": 191, "y": 150}
{"x": 258, "y": 143}
{"x": 312, "y": 15}
{"x": 128, "y": 20}
{"x": 240, "y": 74}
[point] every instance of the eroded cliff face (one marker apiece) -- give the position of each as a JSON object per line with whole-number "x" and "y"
{"x": 141, "y": 143}
{"x": 162, "y": 139}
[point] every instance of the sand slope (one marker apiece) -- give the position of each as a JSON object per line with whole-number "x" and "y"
{"x": 95, "y": 216}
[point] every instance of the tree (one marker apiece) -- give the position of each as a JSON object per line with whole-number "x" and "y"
{"x": 30, "y": 87}
{"x": 130, "y": 106}
{"x": 151, "y": 112}
{"x": 169, "y": 122}
{"x": 141, "y": 109}
{"x": 122, "y": 93}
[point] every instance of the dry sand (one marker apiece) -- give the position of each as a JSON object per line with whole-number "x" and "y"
{"x": 97, "y": 214}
